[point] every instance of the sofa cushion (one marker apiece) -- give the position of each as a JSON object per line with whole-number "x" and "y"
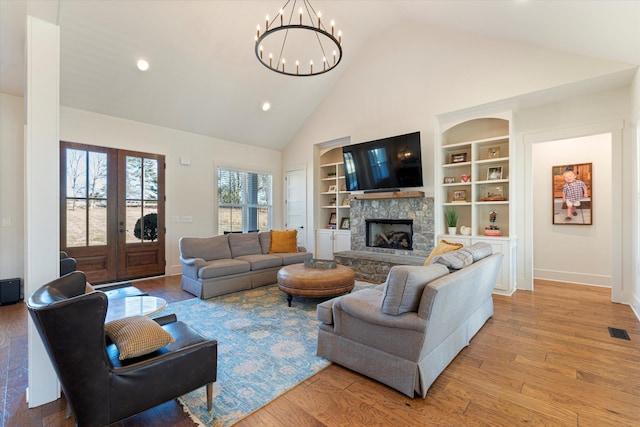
{"x": 284, "y": 241}
{"x": 207, "y": 248}
{"x": 404, "y": 286}
{"x": 244, "y": 244}
{"x": 294, "y": 258}
{"x": 137, "y": 335}
{"x": 260, "y": 262}
{"x": 442, "y": 248}
{"x": 265, "y": 241}
{"x": 223, "y": 267}
{"x": 454, "y": 260}
{"x": 479, "y": 250}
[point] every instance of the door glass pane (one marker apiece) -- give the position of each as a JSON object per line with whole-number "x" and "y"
{"x": 97, "y": 213}
{"x": 76, "y": 223}
{"x": 134, "y": 178}
{"x": 76, "y": 173}
{"x": 134, "y": 215}
{"x": 97, "y": 222}
{"x": 150, "y": 179}
{"x": 149, "y": 224}
{"x": 97, "y": 175}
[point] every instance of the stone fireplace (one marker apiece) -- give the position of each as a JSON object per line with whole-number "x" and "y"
{"x": 415, "y": 215}
{"x": 389, "y": 233}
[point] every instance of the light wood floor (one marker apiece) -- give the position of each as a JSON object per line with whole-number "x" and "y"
{"x": 544, "y": 358}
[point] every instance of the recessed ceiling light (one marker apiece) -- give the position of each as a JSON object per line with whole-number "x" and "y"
{"x": 266, "y": 106}
{"x": 142, "y": 65}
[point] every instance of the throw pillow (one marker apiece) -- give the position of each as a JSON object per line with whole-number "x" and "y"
{"x": 404, "y": 286}
{"x": 284, "y": 241}
{"x": 442, "y": 248}
{"x": 137, "y": 335}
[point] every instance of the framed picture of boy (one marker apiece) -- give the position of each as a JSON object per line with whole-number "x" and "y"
{"x": 572, "y": 194}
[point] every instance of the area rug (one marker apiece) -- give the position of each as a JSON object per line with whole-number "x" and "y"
{"x": 265, "y": 348}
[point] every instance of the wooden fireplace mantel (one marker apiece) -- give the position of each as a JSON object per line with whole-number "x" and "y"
{"x": 389, "y": 195}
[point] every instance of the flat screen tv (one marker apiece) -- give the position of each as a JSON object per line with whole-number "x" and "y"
{"x": 384, "y": 164}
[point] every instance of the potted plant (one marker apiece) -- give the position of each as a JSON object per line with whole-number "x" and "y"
{"x": 451, "y": 217}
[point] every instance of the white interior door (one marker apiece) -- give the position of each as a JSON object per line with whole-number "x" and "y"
{"x": 296, "y": 203}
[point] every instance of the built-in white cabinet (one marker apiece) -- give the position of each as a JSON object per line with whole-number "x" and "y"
{"x": 330, "y": 241}
{"x": 474, "y": 180}
{"x": 333, "y": 213}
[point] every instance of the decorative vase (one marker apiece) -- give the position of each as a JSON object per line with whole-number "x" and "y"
{"x": 452, "y": 230}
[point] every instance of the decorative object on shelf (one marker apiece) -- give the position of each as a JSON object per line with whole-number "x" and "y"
{"x": 449, "y": 179}
{"x": 332, "y": 202}
{"x": 451, "y": 218}
{"x": 298, "y": 34}
{"x": 345, "y": 224}
{"x": 332, "y": 189}
{"x": 346, "y": 201}
{"x": 492, "y": 229}
{"x": 343, "y": 187}
{"x": 494, "y": 172}
{"x": 464, "y": 230}
{"x": 465, "y": 178}
{"x": 572, "y": 194}
{"x": 493, "y": 194}
{"x": 333, "y": 219}
{"x": 458, "y": 157}
{"x": 493, "y": 152}
{"x": 320, "y": 263}
{"x": 458, "y": 196}
{"x": 331, "y": 174}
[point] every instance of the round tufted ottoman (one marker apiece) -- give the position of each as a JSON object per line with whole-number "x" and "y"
{"x": 296, "y": 279}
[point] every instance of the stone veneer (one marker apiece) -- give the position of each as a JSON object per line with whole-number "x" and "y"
{"x": 373, "y": 264}
{"x": 418, "y": 209}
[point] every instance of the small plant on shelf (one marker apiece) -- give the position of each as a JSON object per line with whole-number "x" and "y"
{"x": 451, "y": 216}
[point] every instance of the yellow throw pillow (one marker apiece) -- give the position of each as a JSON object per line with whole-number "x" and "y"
{"x": 442, "y": 248}
{"x": 137, "y": 335}
{"x": 285, "y": 241}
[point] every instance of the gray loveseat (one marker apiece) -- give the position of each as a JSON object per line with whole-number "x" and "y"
{"x": 213, "y": 266}
{"x": 406, "y": 331}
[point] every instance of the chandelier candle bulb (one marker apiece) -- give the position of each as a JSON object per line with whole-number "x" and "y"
{"x": 281, "y": 17}
{"x": 332, "y": 25}
{"x": 283, "y": 61}
{"x": 300, "y": 16}
{"x": 319, "y": 15}
{"x": 340, "y": 37}
{"x": 257, "y": 32}
{"x": 297, "y": 67}
{"x": 266, "y": 23}
{"x": 261, "y": 51}
{"x": 334, "y": 56}
{"x": 271, "y": 60}
{"x": 311, "y": 65}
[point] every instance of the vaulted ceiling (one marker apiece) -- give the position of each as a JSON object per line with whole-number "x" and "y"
{"x": 204, "y": 77}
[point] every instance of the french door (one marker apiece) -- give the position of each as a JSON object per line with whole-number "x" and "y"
{"x": 112, "y": 211}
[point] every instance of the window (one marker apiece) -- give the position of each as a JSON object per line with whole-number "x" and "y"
{"x": 244, "y": 201}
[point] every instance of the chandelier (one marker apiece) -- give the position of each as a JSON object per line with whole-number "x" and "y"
{"x": 298, "y": 35}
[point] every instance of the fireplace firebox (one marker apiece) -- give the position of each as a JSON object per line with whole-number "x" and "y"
{"x": 389, "y": 233}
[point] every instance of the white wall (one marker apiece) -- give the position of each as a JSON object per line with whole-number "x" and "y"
{"x": 190, "y": 190}
{"x": 11, "y": 186}
{"x": 573, "y": 253}
{"x": 635, "y": 229}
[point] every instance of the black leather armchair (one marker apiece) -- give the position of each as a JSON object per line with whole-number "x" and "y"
{"x": 67, "y": 264}
{"x": 100, "y": 389}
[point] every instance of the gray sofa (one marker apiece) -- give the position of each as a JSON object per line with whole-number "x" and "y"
{"x": 213, "y": 266}
{"x": 406, "y": 331}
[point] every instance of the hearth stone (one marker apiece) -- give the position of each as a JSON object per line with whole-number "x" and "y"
{"x": 374, "y": 267}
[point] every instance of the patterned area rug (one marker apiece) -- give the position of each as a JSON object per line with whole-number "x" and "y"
{"x": 264, "y": 349}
